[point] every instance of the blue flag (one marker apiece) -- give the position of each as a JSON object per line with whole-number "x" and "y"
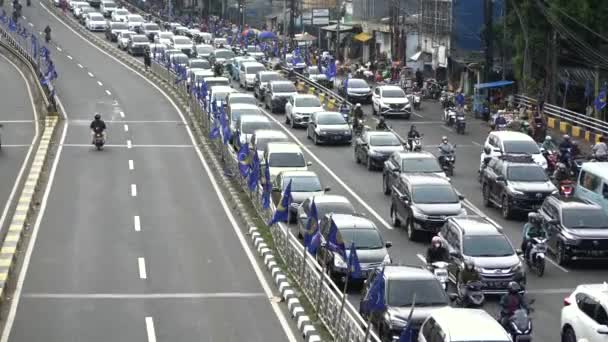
{"x": 374, "y": 299}
{"x": 460, "y": 99}
{"x": 244, "y": 160}
{"x": 34, "y": 46}
{"x": 600, "y": 101}
{"x": 335, "y": 242}
{"x": 215, "y": 130}
{"x": 354, "y": 267}
{"x": 11, "y": 25}
{"x": 330, "y": 72}
{"x": 254, "y": 174}
{"x": 312, "y": 224}
{"x": 315, "y": 242}
{"x": 267, "y": 186}
{"x": 346, "y": 85}
{"x": 282, "y": 212}
{"x": 225, "y": 126}
{"x": 407, "y": 333}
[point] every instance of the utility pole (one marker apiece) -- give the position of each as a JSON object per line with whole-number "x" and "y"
{"x": 292, "y": 16}
{"x": 488, "y": 35}
{"x": 554, "y": 81}
{"x": 341, "y": 10}
{"x": 504, "y": 40}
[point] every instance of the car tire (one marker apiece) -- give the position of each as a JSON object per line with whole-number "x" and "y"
{"x": 505, "y": 208}
{"x": 394, "y": 219}
{"x": 485, "y": 191}
{"x": 385, "y": 187}
{"x": 568, "y": 335}
{"x": 560, "y": 255}
{"x": 412, "y": 233}
{"x": 374, "y": 110}
{"x": 286, "y": 119}
{"x": 292, "y": 124}
{"x": 357, "y": 159}
{"x": 368, "y": 164}
{"x": 315, "y": 139}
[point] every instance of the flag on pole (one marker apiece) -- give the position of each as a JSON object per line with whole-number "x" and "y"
{"x": 354, "y": 267}
{"x": 254, "y": 174}
{"x": 267, "y": 186}
{"x": 312, "y": 224}
{"x": 244, "y": 160}
{"x": 600, "y": 101}
{"x": 374, "y": 299}
{"x": 282, "y": 212}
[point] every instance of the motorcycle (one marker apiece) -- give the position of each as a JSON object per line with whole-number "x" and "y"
{"x": 99, "y": 140}
{"x": 566, "y": 188}
{"x": 345, "y": 111}
{"x": 47, "y": 37}
{"x": 417, "y": 100}
{"x": 536, "y": 255}
{"x": 501, "y": 127}
{"x": 520, "y": 326}
{"x": 473, "y": 296}
{"x": 449, "y": 115}
{"x": 552, "y": 159}
{"x": 460, "y": 124}
{"x": 440, "y": 270}
{"x": 447, "y": 163}
{"x": 358, "y": 129}
{"x": 415, "y": 144}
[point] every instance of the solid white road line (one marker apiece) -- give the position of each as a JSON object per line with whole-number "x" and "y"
{"x": 129, "y": 144}
{"x": 99, "y": 83}
{"x": 131, "y": 165}
{"x": 87, "y": 122}
{"x": 126, "y": 127}
{"x": 205, "y": 295}
{"x": 11, "y": 195}
{"x": 80, "y": 66}
{"x": 235, "y": 226}
{"x": 141, "y": 265}
{"x": 108, "y": 92}
{"x": 136, "y": 223}
{"x": 476, "y": 143}
{"x": 150, "y": 329}
{"x": 91, "y": 74}
{"x": 34, "y": 234}
{"x": 134, "y": 190}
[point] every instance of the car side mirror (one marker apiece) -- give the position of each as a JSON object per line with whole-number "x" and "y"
{"x": 487, "y": 150}
{"x": 327, "y": 189}
{"x": 453, "y": 296}
{"x": 519, "y": 252}
{"x": 308, "y": 163}
{"x": 501, "y": 179}
{"x": 602, "y": 329}
{"x": 461, "y": 197}
{"x": 388, "y": 244}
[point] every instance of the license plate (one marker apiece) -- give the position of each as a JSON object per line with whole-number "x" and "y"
{"x": 596, "y": 253}
{"x": 336, "y": 138}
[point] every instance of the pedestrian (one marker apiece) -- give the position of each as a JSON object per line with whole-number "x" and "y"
{"x": 147, "y": 59}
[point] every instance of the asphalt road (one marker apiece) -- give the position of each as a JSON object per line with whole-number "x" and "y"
{"x": 336, "y": 167}
{"x": 17, "y": 133}
{"x": 135, "y": 242}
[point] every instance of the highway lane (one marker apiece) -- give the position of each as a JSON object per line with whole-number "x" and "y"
{"x": 135, "y": 242}
{"x": 19, "y": 131}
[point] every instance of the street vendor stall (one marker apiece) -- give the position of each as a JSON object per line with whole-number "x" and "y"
{"x": 483, "y": 92}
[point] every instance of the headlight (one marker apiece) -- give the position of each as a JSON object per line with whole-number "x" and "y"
{"x": 387, "y": 259}
{"x": 373, "y": 153}
{"x": 339, "y": 262}
{"x": 515, "y": 192}
{"x": 346, "y": 132}
{"x": 418, "y": 214}
{"x": 297, "y": 115}
{"x": 396, "y": 322}
{"x": 517, "y": 268}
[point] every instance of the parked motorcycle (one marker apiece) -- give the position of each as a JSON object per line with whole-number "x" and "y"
{"x": 460, "y": 123}
{"x": 536, "y": 255}
{"x": 440, "y": 270}
{"x": 449, "y": 116}
{"x": 473, "y": 296}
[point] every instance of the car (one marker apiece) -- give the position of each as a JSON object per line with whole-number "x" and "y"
{"x": 217, "y": 94}
{"x": 313, "y": 74}
{"x": 114, "y": 28}
{"x": 206, "y": 37}
{"x": 422, "y": 203}
{"x": 199, "y": 63}
{"x": 372, "y": 250}
{"x": 75, "y": 4}
{"x": 138, "y": 44}
{"x": 237, "y": 110}
{"x": 277, "y": 94}
{"x": 182, "y": 43}
{"x": 592, "y": 183}
{"x": 261, "y": 137}
{"x": 247, "y": 124}
{"x": 247, "y": 72}
{"x": 157, "y": 50}
{"x": 389, "y": 100}
{"x": 123, "y": 39}
{"x": 217, "y": 42}
{"x": 584, "y": 316}
{"x": 515, "y": 183}
{"x": 79, "y": 7}
{"x": 120, "y": 14}
{"x": 461, "y": 324}
{"x": 239, "y": 98}
{"x": 203, "y": 51}
{"x": 180, "y": 30}
{"x": 234, "y": 69}
{"x": 150, "y": 30}
{"x": 299, "y": 107}
{"x": 179, "y": 58}
{"x": 326, "y": 204}
{"x": 94, "y": 3}
{"x": 213, "y": 81}
{"x": 193, "y": 33}
{"x": 107, "y": 7}
{"x": 329, "y": 127}
{"x": 195, "y": 76}
{"x": 135, "y": 21}
{"x": 84, "y": 13}
{"x": 577, "y": 229}
{"x": 284, "y": 156}
{"x": 478, "y": 239}
{"x": 304, "y": 184}
{"x": 355, "y": 90}
{"x": 95, "y": 22}
{"x": 164, "y": 38}
{"x": 508, "y": 142}
{"x": 375, "y": 147}
{"x": 261, "y": 82}
{"x": 221, "y": 56}
{"x": 254, "y": 51}
{"x": 404, "y": 285}
{"x": 290, "y": 63}
{"x": 406, "y": 163}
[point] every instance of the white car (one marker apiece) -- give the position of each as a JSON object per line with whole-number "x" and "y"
{"x": 75, "y": 4}
{"x": 120, "y": 14}
{"x": 107, "y": 7}
{"x": 123, "y": 39}
{"x": 391, "y": 100}
{"x": 247, "y": 72}
{"x": 134, "y": 21}
{"x": 584, "y": 315}
{"x": 246, "y": 125}
{"x": 164, "y": 38}
{"x": 514, "y": 143}
{"x": 284, "y": 156}
{"x": 79, "y": 9}
{"x": 182, "y": 43}
{"x": 95, "y": 22}
{"x": 299, "y": 108}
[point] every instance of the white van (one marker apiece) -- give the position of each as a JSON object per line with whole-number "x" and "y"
{"x": 247, "y": 72}
{"x": 284, "y": 156}
{"x": 592, "y": 183}
{"x": 461, "y": 325}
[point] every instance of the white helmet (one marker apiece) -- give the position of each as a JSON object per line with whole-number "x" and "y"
{"x": 548, "y": 138}
{"x": 358, "y": 105}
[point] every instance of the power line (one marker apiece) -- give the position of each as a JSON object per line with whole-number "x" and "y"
{"x": 578, "y": 22}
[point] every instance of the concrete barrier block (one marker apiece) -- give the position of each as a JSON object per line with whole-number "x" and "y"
{"x": 576, "y": 131}
{"x": 551, "y": 122}
{"x": 563, "y": 126}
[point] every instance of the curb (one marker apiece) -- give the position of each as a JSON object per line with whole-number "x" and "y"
{"x": 18, "y": 224}
{"x": 288, "y": 293}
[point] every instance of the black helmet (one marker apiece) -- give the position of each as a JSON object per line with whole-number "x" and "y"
{"x": 513, "y": 287}
{"x": 97, "y": 116}
{"x": 469, "y": 264}
{"x": 534, "y": 217}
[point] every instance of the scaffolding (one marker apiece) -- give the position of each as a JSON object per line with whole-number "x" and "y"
{"x": 435, "y": 18}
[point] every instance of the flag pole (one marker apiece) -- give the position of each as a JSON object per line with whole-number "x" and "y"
{"x": 324, "y": 269}
{"x": 304, "y": 256}
{"x": 343, "y": 302}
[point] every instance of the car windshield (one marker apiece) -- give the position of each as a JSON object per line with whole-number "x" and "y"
{"x": 166, "y": 35}
{"x": 357, "y": 83}
{"x": 204, "y": 49}
{"x": 286, "y": 159}
{"x": 119, "y": 26}
{"x": 180, "y": 59}
{"x": 237, "y": 113}
{"x": 139, "y": 39}
{"x": 420, "y": 165}
{"x": 363, "y": 238}
{"x": 151, "y": 27}
{"x": 212, "y": 83}
{"x": 252, "y": 70}
{"x": 284, "y": 88}
{"x": 121, "y": 12}
{"x": 393, "y": 93}
{"x": 303, "y": 183}
{"x": 336, "y": 208}
{"x": 269, "y": 77}
{"x": 521, "y": 147}
{"x": 486, "y": 246}
{"x": 183, "y": 41}
{"x": 384, "y": 140}
{"x": 434, "y": 194}
{"x": 243, "y": 100}
{"x": 261, "y": 143}
{"x": 250, "y": 127}
{"x": 425, "y": 292}
{"x": 224, "y": 54}
{"x": 308, "y": 102}
{"x": 200, "y": 64}
{"x": 528, "y": 173}
{"x": 136, "y": 19}
{"x": 584, "y": 218}
{"x": 331, "y": 119}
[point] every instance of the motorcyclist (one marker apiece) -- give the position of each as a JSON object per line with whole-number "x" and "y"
{"x": 445, "y": 149}
{"x": 357, "y": 115}
{"x": 344, "y": 107}
{"x": 97, "y": 126}
{"x": 500, "y": 121}
{"x": 561, "y": 173}
{"x": 511, "y": 302}
{"x": 549, "y": 144}
{"x": 467, "y": 275}
{"x": 532, "y": 229}
{"x": 218, "y": 69}
{"x": 382, "y": 126}
{"x": 411, "y": 135}
{"x": 600, "y": 150}
{"x": 47, "y": 33}
{"x": 566, "y": 150}
{"x": 436, "y": 252}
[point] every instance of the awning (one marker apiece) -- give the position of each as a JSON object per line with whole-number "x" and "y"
{"x": 415, "y": 57}
{"x": 496, "y": 84}
{"x": 343, "y": 28}
{"x": 362, "y": 37}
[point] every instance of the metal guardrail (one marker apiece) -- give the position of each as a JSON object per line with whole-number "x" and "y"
{"x": 578, "y": 119}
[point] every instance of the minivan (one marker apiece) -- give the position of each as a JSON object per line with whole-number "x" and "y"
{"x": 247, "y": 73}
{"x": 593, "y": 183}
{"x": 462, "y": 325}
{"x": 284, "y": 156}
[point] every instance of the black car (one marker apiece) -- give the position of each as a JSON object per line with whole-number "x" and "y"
{"x": 328, "y": 127}
{"x": 113, "y": 29}
{"x": 577, "y": 229}
{"x": 374, "y": 147}
{"x": 356, "y": 90}
{"x": 515, "y": 183}
{"x": 405, "y": 286}
{"x": 423, "y": 202}
{"x": 408, "y": 162}
{"x": 277, "y": 94}
{"x": 137, "y": 45}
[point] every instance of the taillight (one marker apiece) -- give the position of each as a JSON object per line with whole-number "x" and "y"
{"x": 567, "y": 301}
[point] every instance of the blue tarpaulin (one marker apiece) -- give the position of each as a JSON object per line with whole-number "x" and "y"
{"x": 496, "y": 84}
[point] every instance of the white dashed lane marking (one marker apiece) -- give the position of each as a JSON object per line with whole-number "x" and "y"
{"x": 32, "y": 25}
{"x": 69, "y": 57}
{"x": 141, "y": 263}
{"x": 129, "y": 144}
{"x": 131, "y": 165}
{"x": 100, "y": 84}
{"x": 122, "y": 114}
{"x": 91, "y": 74}
{"x": 133, "y": 190}
{"x": 59, "y": 49}
{"x": 136, "y": 223}
{"x": 126, "y": 128}
{"x": 80, "y": 66}
{"x": 108, "y": 92}
{"x": 150, "y": 329}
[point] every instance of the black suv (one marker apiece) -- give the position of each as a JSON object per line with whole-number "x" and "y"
{"x": 401, "y": 284}
{"x": 514, "y": 183}
{"x": 577, "y": 229}
{"x": 408, "y": 162}
{"x": 422, "y": 202}
{"x": 480, "y": 240}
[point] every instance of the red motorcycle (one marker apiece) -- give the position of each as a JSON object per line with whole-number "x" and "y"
{"x": 566, "y": 188}
{"x": 552, "y": 158}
